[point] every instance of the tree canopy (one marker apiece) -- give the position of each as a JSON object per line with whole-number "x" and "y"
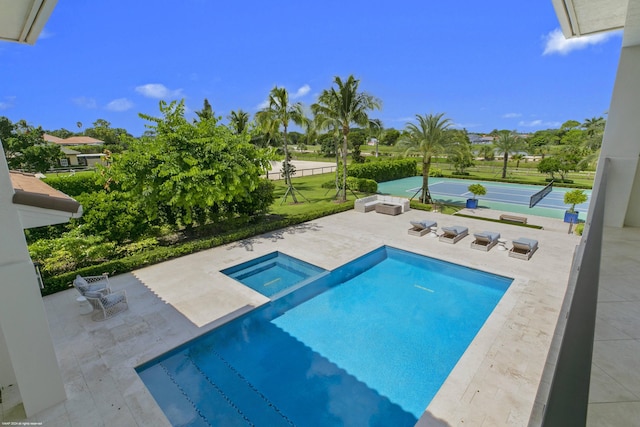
{"x": 193, "y": 170}
{"x": 25, "y": 147}
{"x": 427, "y": 138}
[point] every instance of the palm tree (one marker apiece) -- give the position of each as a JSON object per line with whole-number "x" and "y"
{"x": 376, "y": 130}
{"x": 428, "y": 138}
{"x": 341, "y": 106}
{"x": 507, "y": 142}
{"x": 238, "y": 121}
{"x": 280, "y": 112}
{"x": 518, "y": 158}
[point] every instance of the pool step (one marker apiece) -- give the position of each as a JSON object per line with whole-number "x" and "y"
{"x": 295, "y": 267}
{"x": 238, "y": 403}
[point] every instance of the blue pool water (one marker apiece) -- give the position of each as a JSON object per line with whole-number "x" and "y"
{"x": 273, "y": 273}
{"x": 370, "y": 343}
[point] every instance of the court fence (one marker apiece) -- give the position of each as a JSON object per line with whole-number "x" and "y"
{"x": 277, "y": 175}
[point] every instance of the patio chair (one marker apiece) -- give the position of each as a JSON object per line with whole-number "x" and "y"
{"x": 485, "y": 240}
{"x": 523, "y": 248}
{"x": 420, "y": 228}
{"x": 92, "y": 284}
{"x": 453, "y": 234}
{"x": 106, "y": 306}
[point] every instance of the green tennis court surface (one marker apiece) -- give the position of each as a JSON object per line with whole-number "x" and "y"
{"x": 501, "y": 196}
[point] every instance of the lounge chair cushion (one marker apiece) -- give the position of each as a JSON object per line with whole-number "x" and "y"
{"x": 488, "y": 235}
{"x": 425, "y": 223}
{"x": 93, "y": 294}
{"x": 456, "y": 229}
{"x": 530, "y": 243}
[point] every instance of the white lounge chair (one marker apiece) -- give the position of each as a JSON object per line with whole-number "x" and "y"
{"x": 420, "y": 228}
{"x": 523, "y": 248}
{"x": 453, "y": 234}
{"x": 485, "y": 240}
{"x": 106, "y": 306}
{"x": 92, "y": 284}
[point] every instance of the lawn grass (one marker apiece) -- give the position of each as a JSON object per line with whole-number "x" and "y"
{"x": 311, "y": 188}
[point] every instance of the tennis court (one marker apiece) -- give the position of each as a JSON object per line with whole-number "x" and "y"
{"x": 501, "y": 196}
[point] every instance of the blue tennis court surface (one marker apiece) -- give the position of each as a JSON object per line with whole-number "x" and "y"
{"x": 501, "y": 196}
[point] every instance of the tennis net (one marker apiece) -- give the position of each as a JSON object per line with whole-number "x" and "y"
{"x": 535, "y": 198}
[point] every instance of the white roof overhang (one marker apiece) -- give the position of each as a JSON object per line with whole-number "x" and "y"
{"x": 22, "y": 20}
{"x": 586, "y": 17}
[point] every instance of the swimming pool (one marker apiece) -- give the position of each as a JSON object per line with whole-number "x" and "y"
{"x": 273, "y": 273}
{"x": 370, "y": 343}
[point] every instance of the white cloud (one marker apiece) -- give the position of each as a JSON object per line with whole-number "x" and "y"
{"x": 120, "y": 104}
{"x": 264, "y": 104}
{"x": 511, "y": 115}
{"x": 45, "y": 34}
{"x": 84, "y": 102}
{"x": 158, "y": 91}
{"x": 556, "y": 43}
{"x": 302, "y": 91}
{"x": 7, "y": 103}
{"x": 539, "y": 123}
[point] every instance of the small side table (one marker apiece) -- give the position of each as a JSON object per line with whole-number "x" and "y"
{"x": 433, "y": 232}
{"x": 85, "y": 307}
{"x": 502, "y": 244}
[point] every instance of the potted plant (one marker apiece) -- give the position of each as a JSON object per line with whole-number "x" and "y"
{"x": 476, "y": 190}
{"x": 573, "y": 198}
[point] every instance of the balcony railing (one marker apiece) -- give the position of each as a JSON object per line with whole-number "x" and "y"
{"x": 563, "y": 395}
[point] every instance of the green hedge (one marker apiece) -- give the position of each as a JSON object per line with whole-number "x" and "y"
{"x": 362, "y": 185}
{"x": 385, "y": 170}
{"x": 63, "y": 281}
{"x": 74, "y": 185}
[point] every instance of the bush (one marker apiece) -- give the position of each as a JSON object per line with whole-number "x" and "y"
{"x": 115, "y": 216}
{"x": 384, "y": 170}
{"x": 63, "y": 281}
{"x": 436, "y": 172}
{"x": 75, "y": 185}
{"x": 363, "y": 185}
{"x": 579, "y": 229}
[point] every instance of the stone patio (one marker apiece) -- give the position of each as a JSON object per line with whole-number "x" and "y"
{"x": 493, "y": 384}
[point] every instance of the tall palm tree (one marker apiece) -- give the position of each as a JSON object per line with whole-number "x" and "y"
{"x": 507, "y": 142}
{"x": 343, "y": 105}
{"x": 376, "y": 130}
{"x": 280, "y": 112}
{"x": 238, "y": 121}
{"x": 428, "y": 138}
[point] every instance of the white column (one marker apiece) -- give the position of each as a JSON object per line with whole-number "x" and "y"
{"x": 621, "y": 143}
{"x": 25, "y": 330}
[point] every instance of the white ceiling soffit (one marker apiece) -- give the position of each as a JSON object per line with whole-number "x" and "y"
{"x": 22, "y": 20}
{"x": 583, "y": 17}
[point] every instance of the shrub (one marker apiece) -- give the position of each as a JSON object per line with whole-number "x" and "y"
{"x": 573, "y": 198}
{"x": 436, "y": 172}
{"x": 579, "y": 229}
{"x": 477, "y": 190}
{"x": 158, "y": 254}
{"x": 363, "y": 185}
{"x": 114, "y": 215}
{"x": 384, "y": 170}
{"x": 75, "y": 185}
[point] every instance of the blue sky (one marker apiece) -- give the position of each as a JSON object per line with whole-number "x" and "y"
{"x": 494, "y": 64}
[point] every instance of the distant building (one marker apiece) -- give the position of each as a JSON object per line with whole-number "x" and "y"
{"x": 72, "y": 140}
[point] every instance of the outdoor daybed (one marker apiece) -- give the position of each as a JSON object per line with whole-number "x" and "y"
{"x": 453, "y": 234}
{"x": 485, "y": 240}
{"x": 523, "y": 248}
{"x": 420, "y": 228}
